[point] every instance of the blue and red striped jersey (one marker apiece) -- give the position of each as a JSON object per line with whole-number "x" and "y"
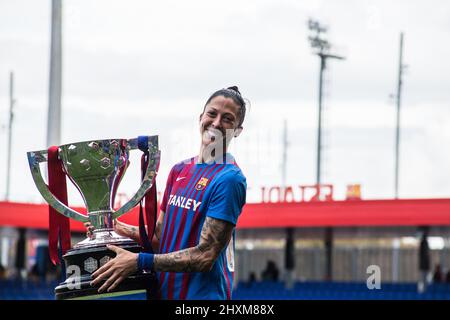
{"x": 193, "y": 192}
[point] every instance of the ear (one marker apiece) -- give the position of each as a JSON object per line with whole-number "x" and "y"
{"x": 200, "y": 117}
{"x": 237, "y": 132}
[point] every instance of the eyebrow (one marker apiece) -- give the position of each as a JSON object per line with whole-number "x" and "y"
{"x": 211, "y": 108}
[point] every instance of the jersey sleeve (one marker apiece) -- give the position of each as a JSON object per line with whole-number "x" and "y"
{"x": 228, "y": 198}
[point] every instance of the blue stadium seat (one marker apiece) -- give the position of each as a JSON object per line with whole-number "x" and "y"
{"x": 340, "y": 291}
{"x": 312, "y": 290}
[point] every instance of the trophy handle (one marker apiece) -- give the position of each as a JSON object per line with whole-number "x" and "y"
{"x": 149, "y": 177}
{"x": 34, "y": 158}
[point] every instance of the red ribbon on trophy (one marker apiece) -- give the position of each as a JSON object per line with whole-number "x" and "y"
{"x": 150, "y": 208}
{"x": 149, "y": 202}
{"x": 59, "y": 225}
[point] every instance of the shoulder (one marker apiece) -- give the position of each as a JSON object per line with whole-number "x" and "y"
{"x": 180, "y": 165}
{"x": 231, "y": 171}
{"x": 231, "y": 174}
{"x": 176, "y": 170}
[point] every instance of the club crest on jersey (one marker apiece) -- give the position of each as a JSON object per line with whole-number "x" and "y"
{"x": 201, "y": 184}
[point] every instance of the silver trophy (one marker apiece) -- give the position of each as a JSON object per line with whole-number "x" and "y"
{"x": 96, "y": 168}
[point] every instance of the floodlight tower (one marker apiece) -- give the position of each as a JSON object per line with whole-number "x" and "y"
{"x": 321, "y": 48}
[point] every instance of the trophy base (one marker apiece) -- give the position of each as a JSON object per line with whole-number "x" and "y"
{"x": 82, "y": 262}
{"x": 133, "y": 285}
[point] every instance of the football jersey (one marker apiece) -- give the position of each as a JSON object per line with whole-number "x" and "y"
{"x": 193, "y": 192}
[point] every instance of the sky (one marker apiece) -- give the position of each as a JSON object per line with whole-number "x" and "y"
{"x": 147, "y": 68}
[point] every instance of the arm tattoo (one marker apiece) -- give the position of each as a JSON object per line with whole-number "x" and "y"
{"x": 214, "y": 238}
{"x": 134, "y": 233}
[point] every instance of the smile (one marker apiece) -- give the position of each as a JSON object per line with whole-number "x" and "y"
{"x": 214, "y": 133}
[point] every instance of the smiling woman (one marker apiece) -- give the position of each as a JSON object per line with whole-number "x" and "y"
{"x": 194, "y": 234}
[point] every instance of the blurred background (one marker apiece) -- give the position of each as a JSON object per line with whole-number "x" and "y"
{"x": 373, "y": 190}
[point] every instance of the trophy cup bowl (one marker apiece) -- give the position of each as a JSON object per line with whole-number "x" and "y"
{"x": 96, "y": 168}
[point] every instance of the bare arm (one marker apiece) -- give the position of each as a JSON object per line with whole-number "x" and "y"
{"x": 158, "y": 232}
{"x": 215, "y": 236}
{"x": 133, "y": 231}
{"x": 127, "y": 230}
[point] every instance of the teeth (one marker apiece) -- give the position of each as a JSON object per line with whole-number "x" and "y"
{"x": 213, "y": 132}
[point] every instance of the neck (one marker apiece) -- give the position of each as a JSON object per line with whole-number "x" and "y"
{"x": 207, "y": 154}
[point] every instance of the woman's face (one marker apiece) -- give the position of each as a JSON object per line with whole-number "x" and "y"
{"x": 219, "y": 120}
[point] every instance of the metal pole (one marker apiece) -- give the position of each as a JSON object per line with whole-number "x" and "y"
{"x": 323, "y": 52}
{"x": 397, "y": 136}
{"x": 328, "y": 254}
{"x": 289, "y": 257}
{"x": 323, "y": 47}
{"x": 319, "y": 127}
{"x": 54, "y": 104}
{"x": 20, "y": 262}
{"x": 11, "y": 118}
{"x": 284, "y": 156}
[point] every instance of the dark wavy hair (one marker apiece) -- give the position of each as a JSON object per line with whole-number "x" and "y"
{"x": 234, "y": 94}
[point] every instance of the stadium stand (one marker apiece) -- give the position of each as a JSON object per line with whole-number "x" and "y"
{"x": 339, "y": 291}
{"x": 265, "y": 290}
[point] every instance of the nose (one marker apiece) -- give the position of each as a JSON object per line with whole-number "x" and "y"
{"x": 216, "y": 122}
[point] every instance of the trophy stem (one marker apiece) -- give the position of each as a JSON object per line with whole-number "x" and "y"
{"x": 101, "y": 220}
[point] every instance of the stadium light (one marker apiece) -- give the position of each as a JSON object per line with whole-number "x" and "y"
{"x": 323, "y": 48}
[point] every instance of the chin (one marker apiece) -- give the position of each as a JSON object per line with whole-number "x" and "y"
{"x": 208, "y": 143}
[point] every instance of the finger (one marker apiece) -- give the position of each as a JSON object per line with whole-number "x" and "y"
{"x": 116, "y": 249}
{"x": 103, "y": 268}
{"x": 109, "y": 282}
{"x": 116, "y": 283}
{"x": 102, "y": 276}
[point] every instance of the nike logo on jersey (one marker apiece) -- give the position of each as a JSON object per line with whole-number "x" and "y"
{"x": 178, "y": 179}
{"x": 182, "y": 202}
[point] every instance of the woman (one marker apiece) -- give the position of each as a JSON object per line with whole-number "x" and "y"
{"x": 203, "y": 199}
